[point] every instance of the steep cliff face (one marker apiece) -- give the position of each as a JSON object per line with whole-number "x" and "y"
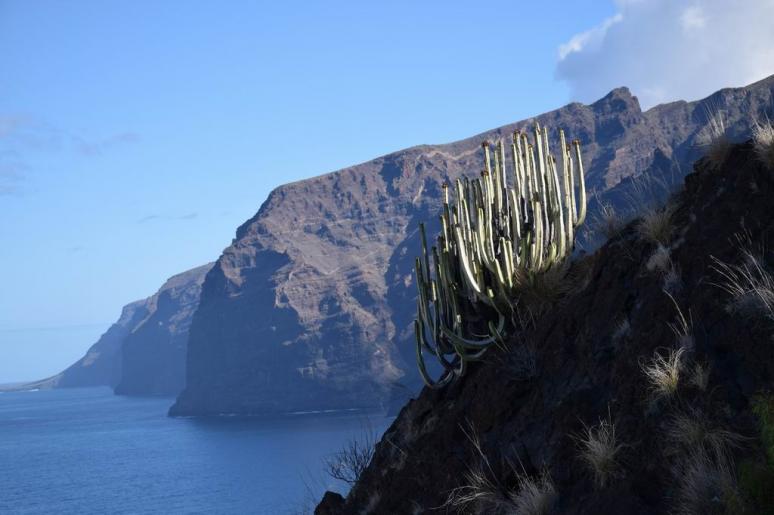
{"x": 153, "y": 354}
{"x": 101, "y": 366}
{"x": 696, "y": 450}
{"x": 311, "y": 306}
{"x": 143, "y": 353}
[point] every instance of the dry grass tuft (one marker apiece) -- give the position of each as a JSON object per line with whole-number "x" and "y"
{"x": 660, "y": 260}
{"x": 682, "y": 327}
{"x": 599, "y": 449}
{"x": 763, "y": 139}
{"x": 714, "y": 140}
{"x": 607, "y": 221}
{"x": 692, "y": 430}
{"x": 700, "y": 376}
{"x": 663, "y": 373}
{"x": 705, "y": 486}
{"x": 538, "y": 292}
{"x": 656, "y": 224}
{"x": 750, "y": 285}
{"x": 484, "y": 492}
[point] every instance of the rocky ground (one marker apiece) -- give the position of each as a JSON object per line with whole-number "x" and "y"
{"x": 579, "y": 370}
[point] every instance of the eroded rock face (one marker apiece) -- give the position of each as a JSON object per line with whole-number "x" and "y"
{"x": 311, "y": 306}
{"x": 143, "y": 353}
{"x": 586, "y": 365}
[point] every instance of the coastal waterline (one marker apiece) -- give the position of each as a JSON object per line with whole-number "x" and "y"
{"x": 88, "y": 451}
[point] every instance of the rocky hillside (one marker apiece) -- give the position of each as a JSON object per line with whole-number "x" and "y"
{"x": 311, "y": 306}
{"x": 143, "y": 353}
{"x": 685, "y": 441}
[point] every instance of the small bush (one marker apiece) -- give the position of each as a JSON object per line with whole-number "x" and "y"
{"x": 349, "y": 463}
{"x": 663, "y": 373}
{"x": 599, "y": 449}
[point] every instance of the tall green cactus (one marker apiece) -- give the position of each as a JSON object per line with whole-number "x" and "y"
{"x": 498, "y": 232}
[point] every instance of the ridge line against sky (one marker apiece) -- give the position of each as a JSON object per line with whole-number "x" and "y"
{"x": 135, "y": 138}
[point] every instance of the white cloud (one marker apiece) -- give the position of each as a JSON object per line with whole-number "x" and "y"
{"x": 666, "y": 50}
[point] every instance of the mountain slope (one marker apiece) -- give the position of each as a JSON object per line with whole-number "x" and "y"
{"x": 311, "y": 306}
{"x": 143, "y": 353}
{"x": 584, "y": 361}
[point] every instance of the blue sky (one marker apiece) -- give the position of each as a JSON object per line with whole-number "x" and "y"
{"x": 136, "y": 136}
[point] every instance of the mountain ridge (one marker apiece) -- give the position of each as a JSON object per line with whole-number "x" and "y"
{"x": 310, "y": 306}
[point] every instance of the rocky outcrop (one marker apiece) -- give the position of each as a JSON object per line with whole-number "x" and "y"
{"x": 582, "y": 361}
{"x": 311, "y": 305}
{"x": 143, "y": 353}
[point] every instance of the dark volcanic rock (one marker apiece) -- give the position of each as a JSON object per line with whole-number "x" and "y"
{"x": 588, "y": 355}
{"x": 311, "y": 306}
{"x": 143, "y": 353}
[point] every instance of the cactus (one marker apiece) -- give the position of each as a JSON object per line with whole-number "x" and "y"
{"x": 500, "y": 230}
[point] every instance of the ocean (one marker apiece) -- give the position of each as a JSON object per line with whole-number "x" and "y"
{"x": 88, "y": 451}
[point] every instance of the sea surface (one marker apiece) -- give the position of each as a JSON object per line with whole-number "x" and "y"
{"x": 88, "y": 451}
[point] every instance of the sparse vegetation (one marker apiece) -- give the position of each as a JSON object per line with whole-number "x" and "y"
{"x": 750, "y": 285}
{"x": 660, "y": 260}
{"x": 599, "y": 449}
{"x": 714, "y": 139}
{"x": 700, "y": 376}
{"x": 756, "y": 478}
{"x": 484, "y": 490}
{"x": 763, "y": 139}
{"x": 607, "y": 221}
{"x": 706, "y": 486}
{"x": 692, "y": 429}
{"x": 656, "y": 224}
{"x": 663, "y": 372}
{"x": 682, "y": 327}
{"x": 347, "y": 464}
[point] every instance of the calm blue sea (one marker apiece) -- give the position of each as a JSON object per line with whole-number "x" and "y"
{"x": 88, "y": 451}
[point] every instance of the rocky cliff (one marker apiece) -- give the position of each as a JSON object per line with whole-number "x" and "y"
{"x": 311, "y": 305}
{"x": 687, "y": 441}
{"x": 143, "y": 353}
{"x": 153, "y": 355}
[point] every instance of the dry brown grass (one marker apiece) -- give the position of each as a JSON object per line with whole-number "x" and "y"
{"x": 705, "y": 486}
{"x": 483, "y": 490}
{"x": 656, "y": 224}
{"x": 599, "y": 449}
{"x": 750, "y": 285}
{"x": 663, "y": 372}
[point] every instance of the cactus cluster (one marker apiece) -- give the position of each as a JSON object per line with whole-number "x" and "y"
{"x": 500, "y": 231}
